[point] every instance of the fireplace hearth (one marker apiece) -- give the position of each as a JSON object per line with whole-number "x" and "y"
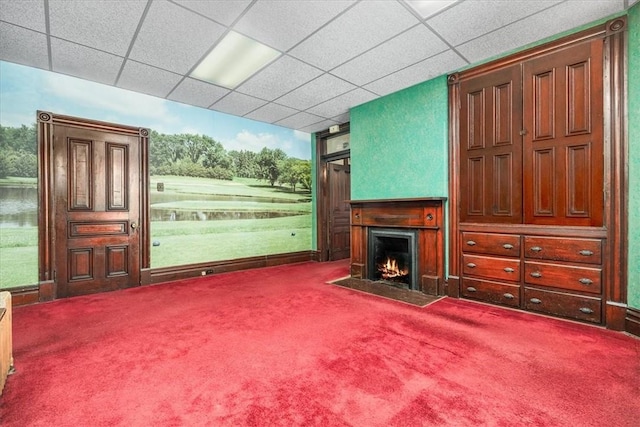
{"x": 399, "y": 242}
{"x": 392, "y": 256}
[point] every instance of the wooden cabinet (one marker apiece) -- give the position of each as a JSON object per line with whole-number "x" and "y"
{"x": 533, "y": 182}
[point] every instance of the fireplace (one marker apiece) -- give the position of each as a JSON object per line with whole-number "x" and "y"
{"x": 399, "y": 242}
{"x": 392, "y": 256}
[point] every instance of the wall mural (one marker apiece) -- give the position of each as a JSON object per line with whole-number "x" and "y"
{"x": 221, "y": 187}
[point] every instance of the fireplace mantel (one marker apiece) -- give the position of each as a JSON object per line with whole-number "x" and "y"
{"x": 422, "y": 214}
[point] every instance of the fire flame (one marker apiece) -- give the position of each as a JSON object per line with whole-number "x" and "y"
{"x": 390, "y": 269}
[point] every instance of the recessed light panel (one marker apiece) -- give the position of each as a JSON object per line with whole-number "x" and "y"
{"x": 233, "y": 60}
{"x": 427, "y": 8}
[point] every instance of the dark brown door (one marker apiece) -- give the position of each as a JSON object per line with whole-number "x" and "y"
{"x": 491, "y": 147}
{"x": 563, "y": 145}
{"x": 96, "y": 201}
{"x": 339, "y": 235}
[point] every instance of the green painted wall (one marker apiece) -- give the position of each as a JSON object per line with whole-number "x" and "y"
{"x": 633, "y": 79}
{"x": 399, "y": 144}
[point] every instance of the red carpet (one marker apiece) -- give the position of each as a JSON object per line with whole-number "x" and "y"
{"x": 279, "y": 346}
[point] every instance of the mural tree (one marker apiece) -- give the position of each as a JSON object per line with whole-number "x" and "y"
{"x": 268, "y": 162}
{"x": 18, "y": 151}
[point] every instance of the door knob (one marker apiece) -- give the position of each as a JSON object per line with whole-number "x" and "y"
{"x": 134, "y": 225}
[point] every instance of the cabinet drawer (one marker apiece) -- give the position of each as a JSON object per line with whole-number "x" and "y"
{"x": 562, "y": 304}
{"x": 588, "y": 251}
{"x": 492, "y": 244}
{"x": 491, "y": 267}
{"x": 493, "y": 292}
{"x": 582, "y": 279}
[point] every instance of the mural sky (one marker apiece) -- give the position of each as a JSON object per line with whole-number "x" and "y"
{"x": 24, "y": 90}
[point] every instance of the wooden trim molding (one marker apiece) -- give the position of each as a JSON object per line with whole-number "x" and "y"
{"x": 166, "y": 274}
{"x": 632, "y": 321}
{"x": 615, "y": 139}
{"x": 614, "y": 26}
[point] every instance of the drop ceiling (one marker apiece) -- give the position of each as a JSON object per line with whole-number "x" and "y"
{"x": 335, "y": 54}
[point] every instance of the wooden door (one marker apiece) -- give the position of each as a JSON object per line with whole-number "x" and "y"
{"x": 491, "y": 147}
{"x": 563, "y": 145}
{"x": 97, "y": 210}
{"x": 339, "y": 232}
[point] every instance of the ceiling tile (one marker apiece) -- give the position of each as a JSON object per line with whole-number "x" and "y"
{"x": 341, "y": 104}
{"x": 433, "y": 67}
{"x": 195, "y": 92}
{"x": 237, "y": 104}
{"x": 174, "y": 38}
{"x": 222, "y": 11}
{"x": 537, "y": 27}
{"x": 283, "y": 24}
{"x": 102, "y": 24}
{"x": 485, "y": 16}
{"x": 271, "y": 113}
{"x": 269, "y": 83}
{"x": 25, "y": 13}
{"x": 315, "y": 92}
{"x": 79, "y": 61}
{"x": 406, "y": 49}
{"x": 299, "y": 120}
{"x": 146, "y": 79}
{"x": 23, "y": 46}
{"x": 342, "y": 118}
{"x": 320, "y": 126}
{"x": 362, "y": 27}
{"x": 430, "y": 7}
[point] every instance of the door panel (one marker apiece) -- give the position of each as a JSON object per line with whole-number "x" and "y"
{"x": 490, "y": 147}
{"x": 97, "y": 209}
{"x": 339, "y": 183}
{"x": 563, "y": 160}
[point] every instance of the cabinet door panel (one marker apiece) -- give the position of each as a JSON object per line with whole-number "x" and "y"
{"x": 491, "y": 147}
{"x": 563, "y": 148}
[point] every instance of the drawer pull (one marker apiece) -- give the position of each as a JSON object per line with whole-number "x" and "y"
{"x": 507, "y": 246}
{"x": 508, "y": 296}
{"x": 585, "y": 252}
{"x": 536, "y": 248}
{"x": 535, "y": 301}
{"x": 471, "y": 289}
{"x": 471, "y": 265}
{"x": 585, "y": 281}
{"x": 471, "y": 243}
{"x": 536, "y": 274}
{"x": 508, "y": 269}
{"x": 586, "y": 310}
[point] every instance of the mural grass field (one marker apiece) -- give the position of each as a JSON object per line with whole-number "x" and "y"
{"x": 189, "y": 241}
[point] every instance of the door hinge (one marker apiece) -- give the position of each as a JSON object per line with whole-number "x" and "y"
{"x": 55, "y": 276}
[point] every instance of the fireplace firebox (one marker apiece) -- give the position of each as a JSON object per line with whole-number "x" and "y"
{"x": 392, "y": 257}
